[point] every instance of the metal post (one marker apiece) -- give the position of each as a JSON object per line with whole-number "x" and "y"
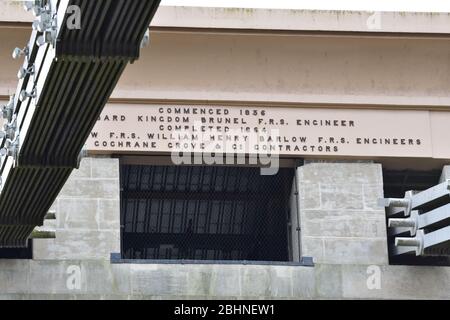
{"x": 297, "y": 195}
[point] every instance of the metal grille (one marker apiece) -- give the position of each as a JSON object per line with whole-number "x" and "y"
{"x": 204, "y": 213}
{"x": 396, "y": 183}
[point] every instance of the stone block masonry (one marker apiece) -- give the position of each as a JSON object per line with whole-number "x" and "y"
{"x": 342, "y": 229}
{"x": 340, "y": 220}
{"x": 96, "y": 279}
{"x": 88, "y": 214}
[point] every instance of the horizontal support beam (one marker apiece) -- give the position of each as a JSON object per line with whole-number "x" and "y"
{"x": 198, "y": 241}
{"x": 43, "y": 234}
{"x": 51, "y": 215}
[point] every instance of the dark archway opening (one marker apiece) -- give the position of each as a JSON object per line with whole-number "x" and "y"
{"x": 204, "y": 213}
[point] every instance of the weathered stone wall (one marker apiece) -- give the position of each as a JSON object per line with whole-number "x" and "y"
{"x": 341, "y": 221}
{"x": 342, "y": 229}
{"x": 88, "y": 214}
{"x": 102, "y": 280}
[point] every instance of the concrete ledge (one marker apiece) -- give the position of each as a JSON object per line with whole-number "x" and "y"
{"x": 275, "y": 19}
{"x": 53, "y": 279}
{"x": 305, "y": 262}
{"x": 301, "y": 20}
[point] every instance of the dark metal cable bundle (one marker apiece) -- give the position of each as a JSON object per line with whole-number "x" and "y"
{"x": 110, "y": 29}
{"x": 67, "y": 78}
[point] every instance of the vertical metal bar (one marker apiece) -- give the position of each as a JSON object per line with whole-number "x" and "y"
{"x": 298, "y": 229}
